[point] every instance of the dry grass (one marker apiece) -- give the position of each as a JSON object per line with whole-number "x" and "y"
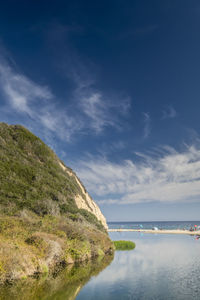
{"x": 34, "y": 245}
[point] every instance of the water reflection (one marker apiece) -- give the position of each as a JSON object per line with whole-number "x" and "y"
{"x": 160, "y": 267}
{"x": 65, "y": 286}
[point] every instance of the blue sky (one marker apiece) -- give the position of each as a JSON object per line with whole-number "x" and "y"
{"x": 113, "y": 88}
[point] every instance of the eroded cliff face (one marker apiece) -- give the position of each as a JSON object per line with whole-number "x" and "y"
{"x": 84, "y": 200}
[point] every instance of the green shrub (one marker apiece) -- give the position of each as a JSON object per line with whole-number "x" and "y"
{"x": 67, "y": 207}
{"x": 124, "y": 245}
{"x": 73, "y": 217}
{"x": 89, "y": 217}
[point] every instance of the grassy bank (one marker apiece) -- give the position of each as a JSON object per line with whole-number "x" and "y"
{"x": 124, "y": 245}
{"x": 66, "y": 285}
{"x": 32, "y": 245}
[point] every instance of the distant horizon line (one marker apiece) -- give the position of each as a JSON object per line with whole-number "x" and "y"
{"x": 152, "y": 221}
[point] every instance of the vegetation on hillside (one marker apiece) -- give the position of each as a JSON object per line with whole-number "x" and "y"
{"x": 31, "y": 178}
{"x": 41, "y": 228}
{"x": 31, "y": 244}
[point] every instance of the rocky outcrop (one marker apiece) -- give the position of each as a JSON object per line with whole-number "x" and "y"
{"x": 29, "y": 249}
{"x": 84, "y": 200}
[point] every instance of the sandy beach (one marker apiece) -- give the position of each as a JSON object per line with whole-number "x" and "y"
{"x": 161, "y": 231}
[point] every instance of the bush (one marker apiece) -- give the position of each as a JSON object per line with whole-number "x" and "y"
{"x": 124, "y": 245}
{"x": 89, "y": 217}
{"x": 73, "y": 217}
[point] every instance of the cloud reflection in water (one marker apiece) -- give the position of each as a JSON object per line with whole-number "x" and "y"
{"x": 160, "y": 267}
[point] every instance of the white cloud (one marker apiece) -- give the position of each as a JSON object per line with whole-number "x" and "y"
{"x": 147, "y": 125}
{"x": 169, "y": 113}
{"x": 20, "y": 91}
{"x": 102, "y": 112}
{"x": 96, "y": 110}
{"x": 35, "y": 102}
{"x": 59, "y": 122}
{"x": 99, "y": 110}
{"x": 88, "y": 110}
{"x": 171, "y": 177}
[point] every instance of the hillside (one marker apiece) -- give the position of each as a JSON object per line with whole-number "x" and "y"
{"x": 47, "y": 218}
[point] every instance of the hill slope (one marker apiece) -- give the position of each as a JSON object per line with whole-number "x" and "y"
{"x": 33, "y": 177}
{"x": 46, "y": 215}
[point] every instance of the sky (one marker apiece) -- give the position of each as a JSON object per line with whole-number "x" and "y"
{"x": 113, "y": 87}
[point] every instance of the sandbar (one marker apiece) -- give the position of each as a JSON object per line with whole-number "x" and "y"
{"x": 160, "y": 231}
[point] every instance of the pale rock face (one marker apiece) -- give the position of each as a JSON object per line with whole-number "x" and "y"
{"x": 87, "y": 204}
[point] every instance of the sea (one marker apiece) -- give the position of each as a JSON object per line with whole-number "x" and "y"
{"x": 149, "y": 225}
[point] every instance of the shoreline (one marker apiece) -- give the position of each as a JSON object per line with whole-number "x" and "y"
{"x": 161, "y": 231}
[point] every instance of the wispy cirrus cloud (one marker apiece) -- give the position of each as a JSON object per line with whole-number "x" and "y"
{"x": 169, "y": 177}
{"x": 96, "y": 110}
{"x": 100, "y": 109}
{"x": 20, "y": 91}
{"x": 101, "y": 112}
{"x": 169, "y": 113}
{"x": 36, "y": 102}
{"x": 88, "y": 110}
{"x": 147, "y": 125}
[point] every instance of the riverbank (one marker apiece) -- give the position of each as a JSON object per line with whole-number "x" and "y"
{"x": 32, "y": 245}
{"x": 160, "y": 231}
{"x": 65, "y": 285}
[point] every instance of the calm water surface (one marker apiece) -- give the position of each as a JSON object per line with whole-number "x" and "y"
{"x": 160, "y": 267}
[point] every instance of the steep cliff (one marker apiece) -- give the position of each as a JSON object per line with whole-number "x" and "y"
{"x": 47, "y": 218}
{"x": 83, "y": 199}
